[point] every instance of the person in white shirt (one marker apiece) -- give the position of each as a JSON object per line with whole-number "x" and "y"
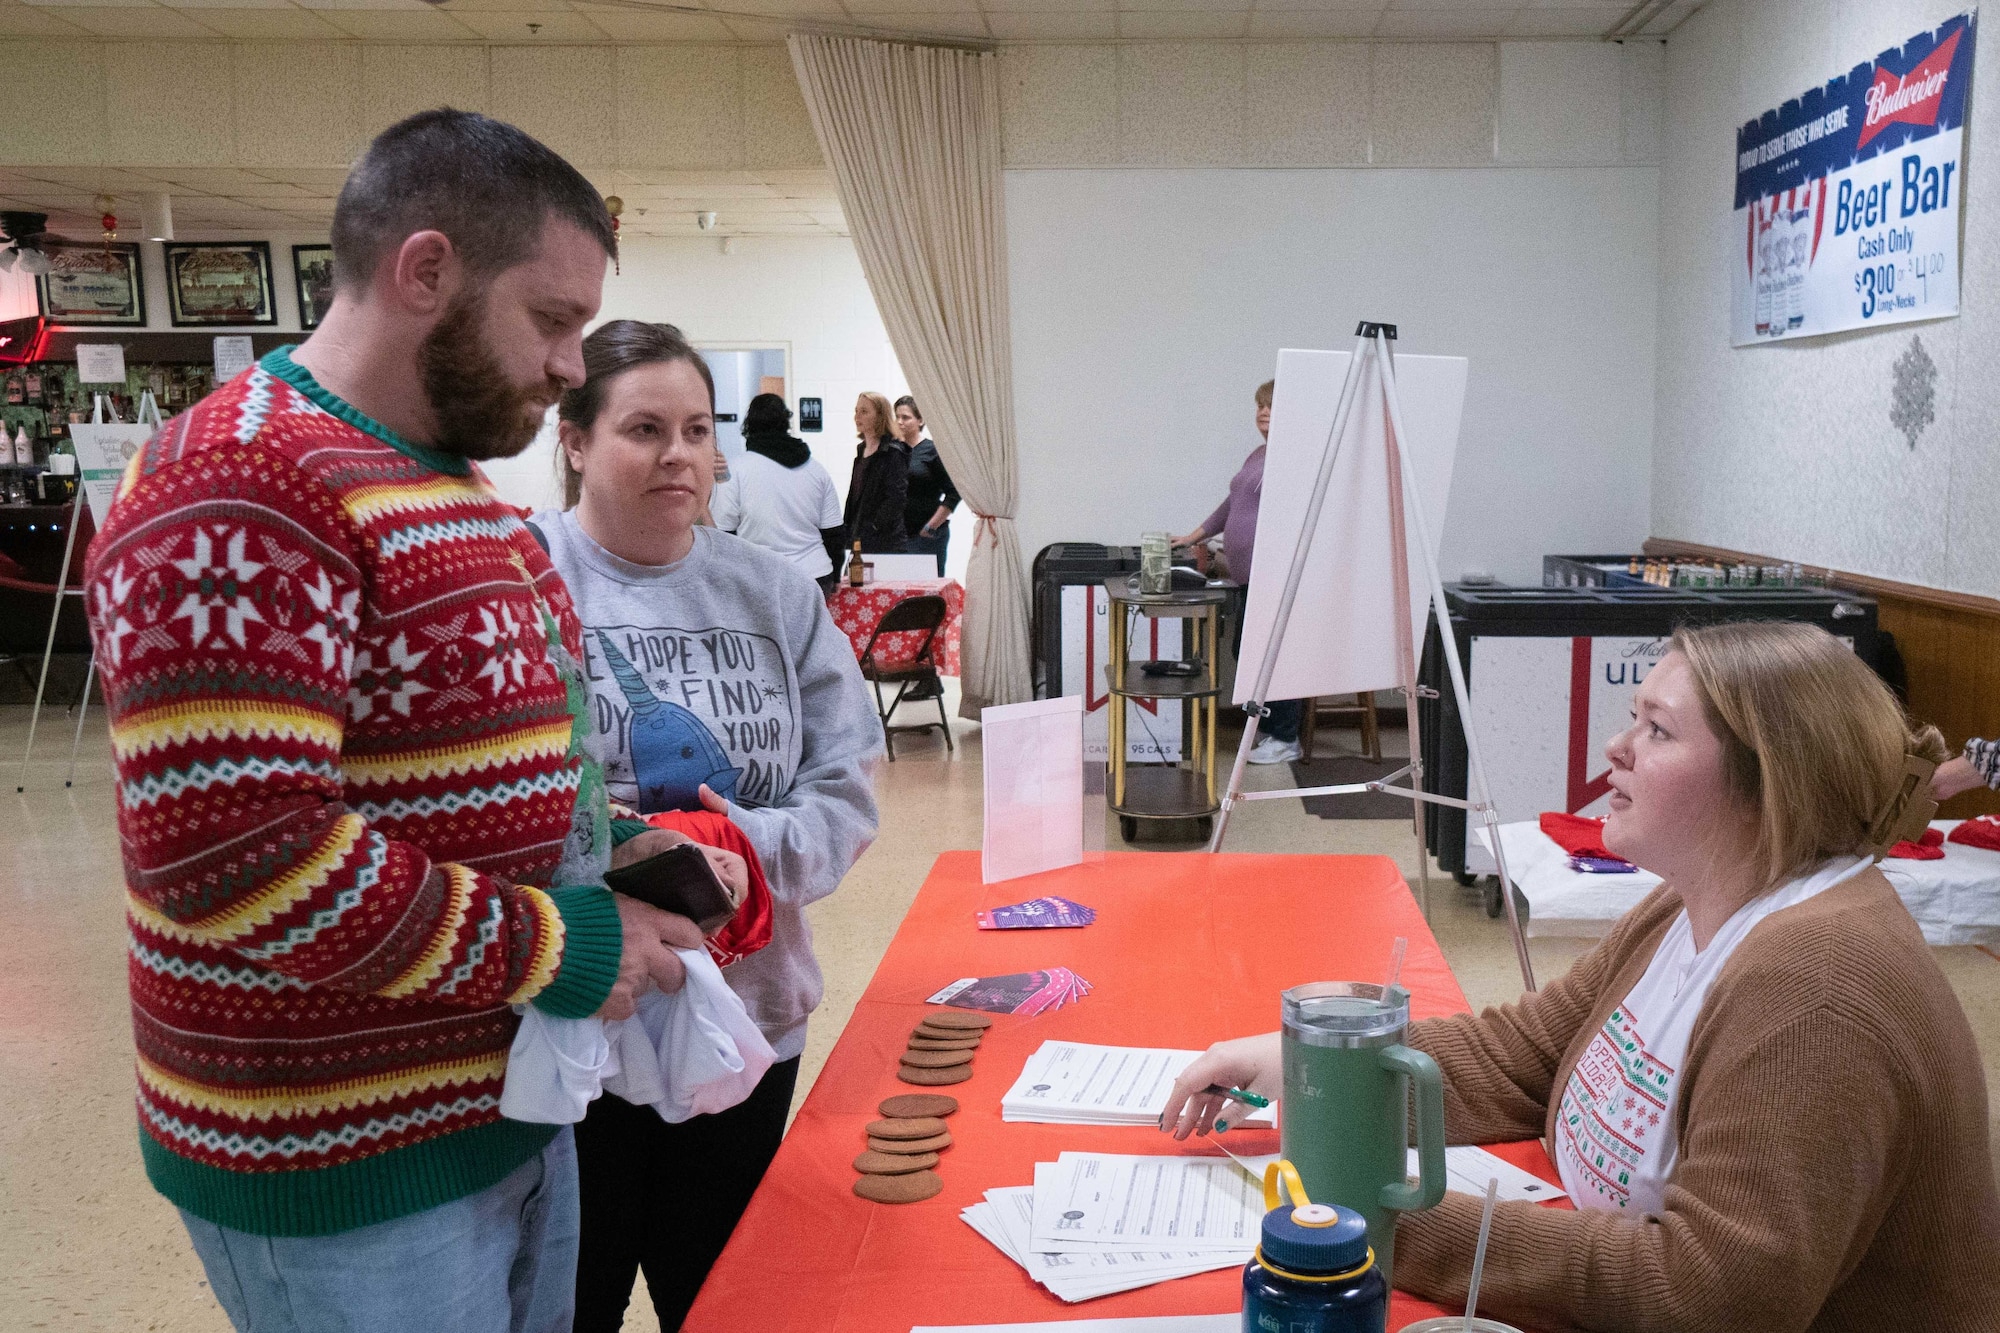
{"x": 779, "y": 497}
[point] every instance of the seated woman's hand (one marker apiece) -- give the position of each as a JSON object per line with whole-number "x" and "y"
{"x": 1253, "y": 1064}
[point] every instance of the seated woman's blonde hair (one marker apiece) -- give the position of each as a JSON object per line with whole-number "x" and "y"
{"x": 1813, "y": 740}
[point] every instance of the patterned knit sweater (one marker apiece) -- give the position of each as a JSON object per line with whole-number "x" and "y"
{"x": 346, "y": 720}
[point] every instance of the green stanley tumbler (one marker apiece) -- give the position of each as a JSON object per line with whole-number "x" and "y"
{"x": 1345, "y": 1120}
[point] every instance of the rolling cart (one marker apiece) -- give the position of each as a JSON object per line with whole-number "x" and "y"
{"x": 1185, "y": 790}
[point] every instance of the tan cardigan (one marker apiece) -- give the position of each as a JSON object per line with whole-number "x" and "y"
{"x": 1834, "y": 1172}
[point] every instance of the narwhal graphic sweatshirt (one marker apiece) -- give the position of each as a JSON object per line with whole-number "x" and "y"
{"x": 725, "y": 669}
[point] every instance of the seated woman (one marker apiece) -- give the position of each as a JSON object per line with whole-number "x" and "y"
{"x": 1761, "y": 1093}
{"x": 719, "y": 683}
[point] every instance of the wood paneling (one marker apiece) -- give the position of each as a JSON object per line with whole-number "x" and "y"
{"x": 1950, "y": 642}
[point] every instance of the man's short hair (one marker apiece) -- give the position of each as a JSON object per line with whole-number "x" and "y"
{"x": 486, "y": 185}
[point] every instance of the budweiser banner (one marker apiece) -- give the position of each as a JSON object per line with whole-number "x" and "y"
{"x": 1847, "y": 199}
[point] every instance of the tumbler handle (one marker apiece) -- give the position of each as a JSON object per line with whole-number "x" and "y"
{"x": 1427, "y": 1087}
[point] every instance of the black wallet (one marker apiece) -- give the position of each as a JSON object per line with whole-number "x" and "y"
{"x": 678, "y": 880}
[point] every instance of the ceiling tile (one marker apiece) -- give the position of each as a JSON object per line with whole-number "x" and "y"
{"x": 413, "y": 6}
{"x": 768, "y": 29}
{"x": 1593, "y": 22}
{"x": 1323, "y": 6}
{"x": 1049, "y": 6}
{"x": 60, "y": 5}
{"x": 231, "y": 4}
{"x": 924, "y": 25}
{"x": 1321, "y": 23}
{"x": 513, "y": 26}
{"x": 391, "y": 25}
{"x": 1053, "y": 27}
{"x": 269, "y": 24}
{"x": 1468, "y": 23}
{"x": 1186, "y": 6}
{"x": 1182, "y": 25}
{"x": 21, "y": 21}
{"x": 134, "y": 22}
{"x": 926, "y": 8}
{"x": 631, "y": 25}
{"x": 503, "y": 6}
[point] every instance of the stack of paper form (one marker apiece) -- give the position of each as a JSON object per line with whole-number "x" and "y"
{"x": 1074, "y": 1083}
{"x": 1098, "y": 1223}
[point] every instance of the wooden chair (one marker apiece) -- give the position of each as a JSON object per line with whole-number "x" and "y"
{"x": 1363, "y": 707}
{"x": 916, "y": 678}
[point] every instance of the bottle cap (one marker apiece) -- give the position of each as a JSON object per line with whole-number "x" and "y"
{"x": 1298, "y": 1241}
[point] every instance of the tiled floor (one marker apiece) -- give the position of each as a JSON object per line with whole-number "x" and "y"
{"x": 89, "y": 1247}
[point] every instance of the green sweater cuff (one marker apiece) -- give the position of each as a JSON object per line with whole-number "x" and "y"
{"x": 624, "y": 830}
{"x": 592, "y": 943}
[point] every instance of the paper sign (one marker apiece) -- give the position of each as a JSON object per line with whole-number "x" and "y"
{"x": 233, "y": 356}
{"x": 103, "y": 453}
{"x": 100, "y": 363}
{"x": 1034, "y": 787}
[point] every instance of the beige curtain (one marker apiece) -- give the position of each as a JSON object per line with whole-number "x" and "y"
{"x": 913, "y": 136}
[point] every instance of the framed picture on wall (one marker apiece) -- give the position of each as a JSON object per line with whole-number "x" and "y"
{"x": 219, "y": 282}
{"x": 92, "y": 283}
{"x": 312, "y": 267}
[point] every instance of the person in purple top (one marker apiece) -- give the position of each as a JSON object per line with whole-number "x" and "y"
{"x": 1236, "y": 519}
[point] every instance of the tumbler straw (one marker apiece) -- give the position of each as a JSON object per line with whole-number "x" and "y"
{"x": 1479, "y": 1253}
{"x": 1395, "y": 966}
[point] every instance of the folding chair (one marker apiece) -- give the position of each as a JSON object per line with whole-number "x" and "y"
{"x": 916, "y": 678}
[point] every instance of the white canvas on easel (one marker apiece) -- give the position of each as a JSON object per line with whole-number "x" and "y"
{"x": 1342, "y": 635}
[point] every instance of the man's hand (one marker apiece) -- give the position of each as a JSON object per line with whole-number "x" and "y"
{"x": 647, "y": 956}
{"x": 1954, "y": 776}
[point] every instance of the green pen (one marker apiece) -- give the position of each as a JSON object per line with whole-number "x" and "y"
{"x": 1250, "y": 1099}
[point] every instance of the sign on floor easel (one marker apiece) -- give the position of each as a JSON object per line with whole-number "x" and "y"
{"x": 103, "y": 448}
{"x": 1342, "y": 492}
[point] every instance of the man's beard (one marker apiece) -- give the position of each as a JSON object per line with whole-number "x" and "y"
{"x": 480, "y": 414}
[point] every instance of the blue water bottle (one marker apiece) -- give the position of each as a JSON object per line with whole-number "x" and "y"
{"x": 1314, "y": 1271}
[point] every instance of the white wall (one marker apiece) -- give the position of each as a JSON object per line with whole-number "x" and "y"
{"x": 1787, "y": 449}
{"x": 805, "y": 291}
{"x": 1148, "y": 305}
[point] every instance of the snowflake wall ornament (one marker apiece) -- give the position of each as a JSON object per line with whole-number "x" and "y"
{"x": 1913, "y": 402}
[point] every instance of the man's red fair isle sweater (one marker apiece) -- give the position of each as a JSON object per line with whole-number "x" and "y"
{"x": 347, "y": 765}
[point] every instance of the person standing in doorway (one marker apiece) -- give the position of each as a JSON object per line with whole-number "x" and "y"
{"x": 779, "y": 497}
{"x": 1236, "y": 519}
{"x": 927, "y": 513}
{"x": 358, "y": 819}
{"x": 880, "y": 484}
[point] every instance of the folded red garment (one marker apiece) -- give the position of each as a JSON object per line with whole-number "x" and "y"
{"x": 1981, "y": 832}
{"x": 1930, "y": 847}
{"x": 1579, "y": 835}
{"x": 750, "y": 929}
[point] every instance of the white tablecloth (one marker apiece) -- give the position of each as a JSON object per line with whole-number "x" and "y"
{"x": 1955, "y": 900}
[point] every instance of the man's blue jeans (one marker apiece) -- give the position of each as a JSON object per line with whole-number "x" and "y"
{"x": 499, "y": 1261}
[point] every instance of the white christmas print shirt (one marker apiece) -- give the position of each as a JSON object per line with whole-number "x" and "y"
{"x": 1615, "y": 1140}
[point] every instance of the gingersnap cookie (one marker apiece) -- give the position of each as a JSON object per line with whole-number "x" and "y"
{"x": 910, "y": 1147}
{"x": 872, "y": 1163}
{"x": 959, "y": 1018}
{"x": 912, "y": 1188}
{"x": 918, "y": 1106}
{"x": 934, "y": 1078}
{"x": 921, "y": 1039}
{"x": 936, "y": 1059}
{"x": 904, "y": 1130}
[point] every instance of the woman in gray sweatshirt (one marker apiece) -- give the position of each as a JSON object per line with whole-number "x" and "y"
{"x": 717, "y": 681}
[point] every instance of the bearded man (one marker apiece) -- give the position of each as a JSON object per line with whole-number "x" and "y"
{"x": 358, "y": 820}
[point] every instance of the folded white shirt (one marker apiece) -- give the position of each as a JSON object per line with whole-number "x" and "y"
{"x": 691, "y": 1053}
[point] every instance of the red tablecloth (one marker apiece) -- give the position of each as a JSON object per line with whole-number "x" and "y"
{"x": 858, "y": 610}
{"x": 1187, "y": 949}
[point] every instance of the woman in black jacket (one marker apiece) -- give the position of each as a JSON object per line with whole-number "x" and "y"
{"x": 880, "y": 486}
